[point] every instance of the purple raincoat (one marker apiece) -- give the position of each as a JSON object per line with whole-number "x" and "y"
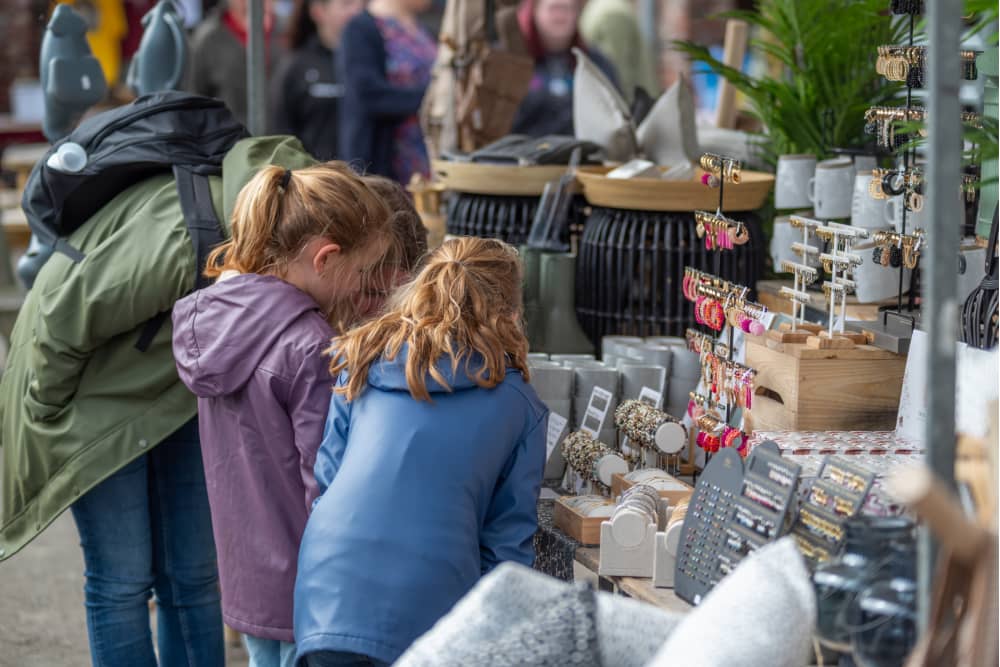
{"x": 251, "y": 349}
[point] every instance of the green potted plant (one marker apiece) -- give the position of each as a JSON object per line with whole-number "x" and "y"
{"x": 826, "y": 49}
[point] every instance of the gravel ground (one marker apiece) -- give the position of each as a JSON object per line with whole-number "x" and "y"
{"x": 42, "y": 622}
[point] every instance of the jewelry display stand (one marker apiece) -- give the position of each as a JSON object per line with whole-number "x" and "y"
{"x": 837, "y": 494}
{"x": 823, "y": 378}
{"x": 839, "y": 262}
{"x": 717, "y": 302}
{"x": 711, "y": 505}
{"x": 627, "y": 550}
{"x": 894, "y": 329}
{"x": 665, "y": 553}
{"x": 805, "y": 275}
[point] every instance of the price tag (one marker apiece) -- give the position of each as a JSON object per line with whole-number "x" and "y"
{"x": 597, "y": 412}
{"x": 651, "y": 397}
{"x": 557, "y": 424}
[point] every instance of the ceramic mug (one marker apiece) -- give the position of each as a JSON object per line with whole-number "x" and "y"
{"x": 866, "y": 211}
{"x": 791, "y": 186}
{"x": 831, "y": 188}
{"x": 893, "y": 214}
{"x": 864, "y": 163}
{"x": 875, "y": 282}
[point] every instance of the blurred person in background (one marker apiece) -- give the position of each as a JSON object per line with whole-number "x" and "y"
{"x": 551, "y": 29}
{"x": 385, "y": 64}
{"x": 612, "y": 27}
{"x": 219, "y": 54}
{"x": 305, "y": 91}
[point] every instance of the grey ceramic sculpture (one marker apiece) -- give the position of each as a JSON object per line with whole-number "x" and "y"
{"x": 72, "y": 82}
{"x": 72, "y": 79}
{"x": 159, "y": 62}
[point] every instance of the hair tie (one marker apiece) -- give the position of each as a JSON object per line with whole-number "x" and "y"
{"x": 285, "y": 179}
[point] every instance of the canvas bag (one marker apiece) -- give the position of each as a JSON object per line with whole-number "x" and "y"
{"x": 481, "y": 75}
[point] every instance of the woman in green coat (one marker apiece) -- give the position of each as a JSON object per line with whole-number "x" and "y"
{"x": 90, "y": 423}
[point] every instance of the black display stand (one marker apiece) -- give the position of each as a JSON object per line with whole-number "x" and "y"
{"x": 894, "y": 329}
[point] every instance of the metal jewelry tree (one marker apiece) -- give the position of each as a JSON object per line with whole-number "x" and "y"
{"x": 727, "y": 383}
{"x": 840, "y": 262}
{"x": 805, "y": 275}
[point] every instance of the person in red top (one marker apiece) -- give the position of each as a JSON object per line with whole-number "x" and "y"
{"x": 218, "y": 54}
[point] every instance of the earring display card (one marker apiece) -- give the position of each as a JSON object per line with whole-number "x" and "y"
{"x": 704, "y": 536}
{"x": 838, "y": 493}
{"x": 768, "y": 487}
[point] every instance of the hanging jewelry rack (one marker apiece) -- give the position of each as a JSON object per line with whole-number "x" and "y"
{"x": 905, "y": 63}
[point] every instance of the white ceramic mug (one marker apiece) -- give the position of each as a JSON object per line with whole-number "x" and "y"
{"x": 791, "y": 185}
{"x": 875, "y": 282}
{"x": 864, "y": 163}
{"x": 831, "y": 188}
{"x": 866, "y": 211}
{"x": 893, "y": 214}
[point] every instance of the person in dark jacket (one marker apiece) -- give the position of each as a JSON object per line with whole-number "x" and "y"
{"x": 550, "y": 30}
{"x": 305, "y": 91}
{"x": 219, "y": 54}
{"x": 385, "y": 63}
{"x": 431, "y": 461}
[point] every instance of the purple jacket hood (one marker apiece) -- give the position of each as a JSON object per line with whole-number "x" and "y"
{"x": 222, "y": 333}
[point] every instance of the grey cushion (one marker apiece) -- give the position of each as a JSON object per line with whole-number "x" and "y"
{"x": 517, "y": 616}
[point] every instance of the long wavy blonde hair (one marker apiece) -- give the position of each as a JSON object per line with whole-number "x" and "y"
{"x": 466, "y": 301}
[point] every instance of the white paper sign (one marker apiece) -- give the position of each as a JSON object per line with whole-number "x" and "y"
{"x": 651, "y": 397}
{"x": 975, "y": 387}
{"x": 597, "y": 412}
{"x": 557, "y": 424}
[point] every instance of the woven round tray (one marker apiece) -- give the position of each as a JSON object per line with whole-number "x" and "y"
{"x": 495, "y": 179}
{"x": 652, "y": 194}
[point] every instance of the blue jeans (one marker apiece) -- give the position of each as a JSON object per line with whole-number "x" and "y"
{"x": 269, "y": 652}
{"x": 147, "y": 529}
{"x": 340, "y": 659}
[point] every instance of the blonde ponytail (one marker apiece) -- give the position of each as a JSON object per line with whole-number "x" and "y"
{"x": 278, "y": 211}
{"x": 464, "y": 303}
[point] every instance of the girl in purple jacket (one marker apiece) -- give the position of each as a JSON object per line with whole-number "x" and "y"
{"x": 251, "y": 348}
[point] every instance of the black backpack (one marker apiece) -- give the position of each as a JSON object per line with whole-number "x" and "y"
{"x": 157, "y": 133}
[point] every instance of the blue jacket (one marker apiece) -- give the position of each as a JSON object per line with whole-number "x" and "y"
{"x": 418, "y": 501}
{"x": 372, "y": 107}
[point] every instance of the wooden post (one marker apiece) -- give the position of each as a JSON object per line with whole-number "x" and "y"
{"x": 735, "y": 48}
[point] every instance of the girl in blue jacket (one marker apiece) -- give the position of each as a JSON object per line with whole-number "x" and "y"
{"x": 431, "y": 460}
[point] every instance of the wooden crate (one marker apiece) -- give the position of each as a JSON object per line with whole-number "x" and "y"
{"x": 619, "y": 484}
{"x": 800, "y": 388}
{"x": 584, "y": 529}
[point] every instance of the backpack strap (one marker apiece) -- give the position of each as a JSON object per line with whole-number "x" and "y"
{"x": 199, "y": 214}
{"x": 203, "y": 227}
